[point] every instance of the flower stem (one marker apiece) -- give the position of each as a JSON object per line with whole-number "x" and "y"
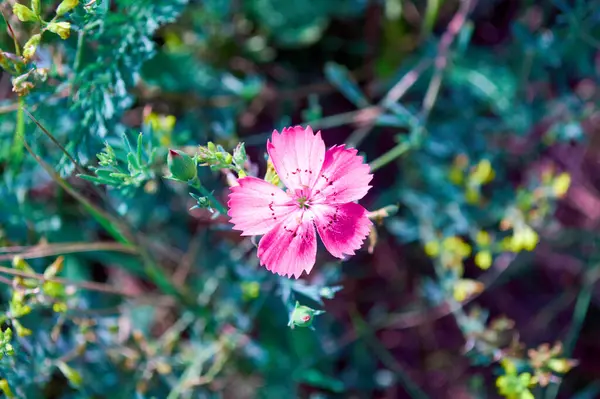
{"x": 213, "y": 200}
{"x": 389, "y": 156}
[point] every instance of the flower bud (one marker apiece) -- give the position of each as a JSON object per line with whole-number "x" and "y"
{"x": 204, "y": 154}
{"x": 31, "y": 46}
{"x": 303, "y": 316}
{"x": 62, "y": 29}
{"x": 65, "y": 6}
{"x": 181, "y": 166}
{"x": 239, "y": 155}
{"x": 24, "y": 13}
{"x": 561, "y": 366}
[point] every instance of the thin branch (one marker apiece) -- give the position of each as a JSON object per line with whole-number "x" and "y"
{"x": 40, "y": 251}
{"x": 392, "y": 97}
{"x": 441, "y": 60}
{"x": 86, "y": 285}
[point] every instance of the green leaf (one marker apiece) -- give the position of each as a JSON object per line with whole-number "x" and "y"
{"x": 340, "y": 77}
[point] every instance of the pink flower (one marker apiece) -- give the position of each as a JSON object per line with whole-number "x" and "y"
{"x": 321, "y": 187}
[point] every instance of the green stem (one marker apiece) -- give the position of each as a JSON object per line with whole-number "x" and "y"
{"x": 213, "y": 200}
{"x": 579, "y": 314}
{"x": 78, "y": 54}
{"x": 389, "y": 156}
{"x": 17, "y": 150}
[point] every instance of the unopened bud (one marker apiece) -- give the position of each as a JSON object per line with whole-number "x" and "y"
{"x": 561, "y": 366}
{"x": 303, "y": 316}
{"x": 30, "y": 47}
{"x": 66, "y": 6}
{"x": 181, "y": 166}
{"x": 204, "y": 154}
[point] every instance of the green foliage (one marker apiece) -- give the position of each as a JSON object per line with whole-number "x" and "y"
{"x": 111, "y": 172}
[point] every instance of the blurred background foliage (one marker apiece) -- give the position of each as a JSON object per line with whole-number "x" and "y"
{"x": 479, "y": 120}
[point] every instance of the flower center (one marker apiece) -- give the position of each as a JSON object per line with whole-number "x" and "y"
{"x": 303, "y": 202}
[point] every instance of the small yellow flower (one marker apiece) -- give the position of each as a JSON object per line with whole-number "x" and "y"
{"x": 483, "y": 238}
{"x": 62, "y": 29}
{"x": 482, "y": 173}
{"x": 465, "y": 288}
{"x": 512, "y": 385}
{"x": 456, "y": 245}
{"x": 483, "y": 259}
{"x": 523, "y": 239}
{"x": 561, "y": 184}
{"x": 432, "y": 249}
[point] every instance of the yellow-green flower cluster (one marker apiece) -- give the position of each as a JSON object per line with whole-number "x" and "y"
{"x": 473, "y": 178}
{"x": 451, "y": 251}
{"x": 513, "y": 385}
{"x": 547, "y": 361}
{"x": 162, "y": 126}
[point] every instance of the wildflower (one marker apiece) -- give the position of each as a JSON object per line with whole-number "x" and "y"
{"x": 561, "y": 184}
{"x": 65, "y": 6}
{"x": 513, "y": 385}
{"x": 62, "y": 29}
{"x": 31, "y": 46}
{"x": 23, "y": 13}
{"x": 484, "y": 259}
{"x": 465, "y": 288}
{"x": 321, "y": 187}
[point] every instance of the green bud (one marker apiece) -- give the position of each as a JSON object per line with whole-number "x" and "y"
{"x": 24, "y": 13}
{"x": 54, "y": 268}
{"x": 181, "y": 166}
{"x": 239, "y": 155}
{"x": 303, "y": 316}
{"x": 62, "y": 29}
{"x": 204, "y": 154}
{"x": 561, "y": 366}
{"x": 211, "y": 146}
{"x": 66, "y": 6}
{"x": 201, "y": 202}
{"x": 329, "y": 292}
{"x": 9, "y": 350}
{"x": 20, "y": 264}
{"x": 228, "y": 158}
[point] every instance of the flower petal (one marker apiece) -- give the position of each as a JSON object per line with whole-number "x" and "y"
{"x": 342, "y": 228}
{"x": 297, "y": 155}
{"x": 343, "y": 178}
{"x": 290, "y": 248}
{"x": 257, "y": 206}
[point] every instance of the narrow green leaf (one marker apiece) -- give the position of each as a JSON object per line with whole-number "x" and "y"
{"x": 340, "y": 77}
